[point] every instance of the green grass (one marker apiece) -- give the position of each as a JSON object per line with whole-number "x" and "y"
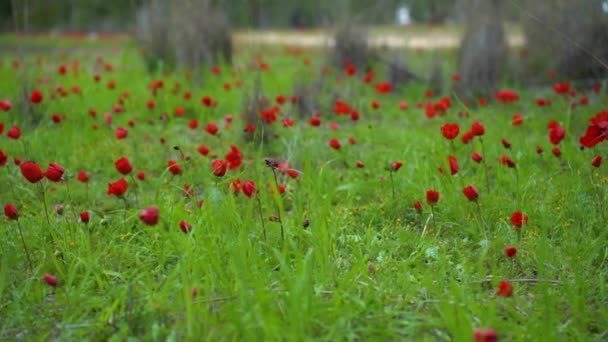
{"x": 369, "y": 267}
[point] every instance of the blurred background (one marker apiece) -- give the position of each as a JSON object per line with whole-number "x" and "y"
{"x": 487, "y": 41}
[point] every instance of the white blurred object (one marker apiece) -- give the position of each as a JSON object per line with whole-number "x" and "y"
{"x": 403, "y": 16}
{"x": 605, "y": 6}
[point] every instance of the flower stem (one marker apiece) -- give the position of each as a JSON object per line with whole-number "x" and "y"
{"x": 46, "y": 212}
{"x": 481, "y": 221}
{"x": 485, "y": 164}
{"x": 257, "y": 197}
{"x": 392, "y": 184}
{"x": 29, "y": 259}
{"x": 276, "y": 183}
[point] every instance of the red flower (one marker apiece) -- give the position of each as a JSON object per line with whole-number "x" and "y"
{"x": 53, "y": 172}
{"x": 83, "y": 176}
{"x": 123, "y": 165}
{"x": 14, "y": 133}
{"x": 11, "y": 211}
{"x": 360, "y": 165}
{"x": 510, "y": 251}
{"x": 174, "y": 167}
{"x": 121, "y": 133}
{"x": 396, "y": 166}
{"x": 36, "y": 96}
{"x": 450, "y": 131}
{"x": 539, "y": 150}
{"x": 432, "y": 197}
{"x": 234, "y": 158}
{"x": 562, "y": 88}
{"x": 478, "y": 129}
{"x": 517, "y": 120}
{"x": 5, "y": 105}
{"x": 467, "y": 136}
{"x": 269, "y": 115}
{"x": 518, "y": 219}
{"x": 383, "y": 88}
{"x": 476, "y": 157}
{"x": 315, "y": 121}
{"x": 50, "y": 280}
{"x": 141, "y": 175}
{"x": 335, "y": 144}
{"x": 506, "y": 96}
{"x": 185, "y": 227}
{"x": 204, "y": 150}
{"x": 350, "y": 70}
{"x": 211, "y": 128}
{"x": 471, "y": 193}
{"x": 597, "y": 132}
{"x": 556, "y": 132}
{"x": 505, "y": 160}
{"x": 418, "y": 206}
{"x": 375, "y": 104}
{"x": 505, "y": 143}
{"x": 453, "y": 165}
{"x": 31, "y": 171}
{"x": 118, "y": 188}
{"x": 484, "y": 335}
{"x": 249, "y": 188}
{"x": 84, "y": 217}
{"x": 149, "y": 216}
{"x": 219, "y": 167}
{"x": 505, "y": 289}
{"x": 556, "y": 151}
{"x": 597, "y": 161}
{"x": 3, "y": 158}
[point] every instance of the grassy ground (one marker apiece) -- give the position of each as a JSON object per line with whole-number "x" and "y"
{"x": 366, "y": 265}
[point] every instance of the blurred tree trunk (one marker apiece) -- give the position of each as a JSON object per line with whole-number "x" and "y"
{"x": 559, "y": 39}
{"x": 483, "y": 49}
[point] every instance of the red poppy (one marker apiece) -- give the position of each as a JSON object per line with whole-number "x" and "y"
{"x": 315, "y": 121}
{"x": 11, "y": 211}
{"x": 507, "y": 96}
{"x": 484, "y": 335}
{"x": 476, "y": 157}
{"x": 234, "y": 158}
{"x": 335, "y": 144}
{"x": 3, "y": 158}
{"x": 395, "y": 166}
{"x": 556, "y": 151}
{"x": 360, "y": 165}
{"x": 287, "y": 122}
{"x": 31, "y": 171}
{"x": 14, "y": 133}
{"x": 518, "y": 219}
{"x": 350, "y": 70}
{"x": 185, "y": 227}
{"x": 174, "y": 167}
{"x": 556, "y": 132}
{"x": 84, "y": 217}
{"x": 36, "y": 96}
{"x": 505, "y": 143}
{"x": 432, "y": 197}
{"x": 248, "y": 188}
{"x": 418, "y": 206}
{"x": 118, "y": 188}
{"x": 539, "y": 150}
{"x": 471, "y": 193}
{"x": 453, "y": 165}
{"x": 467, "y": 136}
{"x": 141, "y": 175}
{"x": 478, "y": 129}
{"x": 219, "y": 167}
{"x": 510, "y": 251}
{"x": 562, "y": 88}
{"x": 384, "y": 88}
{"x": 123, "y": 165}
{"x": 505, "y": 160}
{"x": 450, "y": 131}
{"x": 505, "y": 289}
{"x": 597, "y": 161}
{"x": 121, "y": 133}
{"x": 597, "y": 132}
{"x": 5, "y": 105}
{"x": 83, "y": 176}
{"x": 50, "y": 280}
{"x": 211, "y": 128}
{"x": 375, "y": 104}
{"x": 517, "y": 120}
{"x": 149, "y": 216}
{"x": 54, "y": 172}
{"x": 204, "y": 150}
